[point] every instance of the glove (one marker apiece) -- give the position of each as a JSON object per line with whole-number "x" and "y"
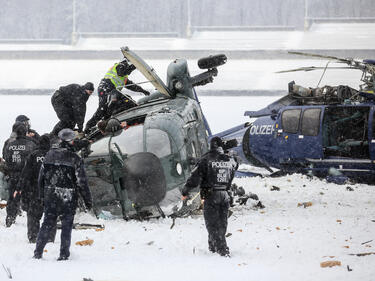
{"x": 131, "y": 68}
{"x": 86, "y": 131}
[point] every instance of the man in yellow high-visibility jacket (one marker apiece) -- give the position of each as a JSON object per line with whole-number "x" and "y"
{"x": 114, "y": 80}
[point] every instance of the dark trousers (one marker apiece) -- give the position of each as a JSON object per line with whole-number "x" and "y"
{"x": 13, "y": 204}
{"x": 215, "y": 211}
{"x": 34, "y": 214}
{"x": 99, "y": 114}
{"x": 65, "y": 114}
{"x": 51, "y": 212}
{"x": 102, "y": 108}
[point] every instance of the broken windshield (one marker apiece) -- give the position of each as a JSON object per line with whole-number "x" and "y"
{"x": 129, "y": 141}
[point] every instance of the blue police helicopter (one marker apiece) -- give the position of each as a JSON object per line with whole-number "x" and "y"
{"x": 326, "y": 131}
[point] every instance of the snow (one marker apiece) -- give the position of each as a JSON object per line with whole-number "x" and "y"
{"x": 280, "y": 242}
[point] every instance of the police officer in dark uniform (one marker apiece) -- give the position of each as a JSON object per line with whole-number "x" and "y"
{"x": 61, "y": 179}
{"x": 69, "y": 102}
{"x": 114, "y": 80}
{"x": 30, "y": 132}
{"x": 28, "y": 188}
{"x": 214, "y": 173}
{"x": 15, "y": 152}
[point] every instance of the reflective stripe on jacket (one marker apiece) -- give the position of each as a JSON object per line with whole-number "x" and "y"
{"x": 117, "y": 81}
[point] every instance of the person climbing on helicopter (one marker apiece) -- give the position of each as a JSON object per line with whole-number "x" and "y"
{"x": 111, "y": 100}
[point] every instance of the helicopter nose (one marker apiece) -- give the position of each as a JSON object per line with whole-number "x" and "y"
{"x": 247, "y": 150}
{"x": 144, "y": 179}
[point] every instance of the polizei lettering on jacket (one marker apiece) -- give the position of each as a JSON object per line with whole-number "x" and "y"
{"x": 17, "y": 147}
{"x": 221, "y": 165}
{"x": 40, "y": 159}
{"x": 261, "y": 130}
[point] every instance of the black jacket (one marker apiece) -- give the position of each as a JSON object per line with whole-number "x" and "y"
{"x": 28, "y": 182}
{"x": 74, "y": 97}
{"x": 15, "y": 152}
{"x": 62, "y": 178}
{"x": 215, "y": 170}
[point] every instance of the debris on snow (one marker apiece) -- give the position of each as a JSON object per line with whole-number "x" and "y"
{"x": 330, "y": 263}
{"x": 362, "y": 254}
{"x": 305, "y": 204}
{"x": 87, "y": 242}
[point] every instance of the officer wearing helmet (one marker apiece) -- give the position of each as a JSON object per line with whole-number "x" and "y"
{"x": 15, "y": 151}
{"x": 214, "y": 174}
{"x": 69, "y": 103}
{"x": 30, "y": 132}
{"x": 61, "y": 179}
{"x": 110, "y": 97}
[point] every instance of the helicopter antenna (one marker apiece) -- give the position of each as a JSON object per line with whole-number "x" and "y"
{"x": 324, "y": 71}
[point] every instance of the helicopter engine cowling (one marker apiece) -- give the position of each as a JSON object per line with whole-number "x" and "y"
{"x": 144, "y": 179}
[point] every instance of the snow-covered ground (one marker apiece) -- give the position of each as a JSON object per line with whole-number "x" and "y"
{"x": 281, "y": 242}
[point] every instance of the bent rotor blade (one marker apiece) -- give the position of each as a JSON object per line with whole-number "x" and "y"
{"x": 349, "y": 61}
{"x": 310, "y": 68}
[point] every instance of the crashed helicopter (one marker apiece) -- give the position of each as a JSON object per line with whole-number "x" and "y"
{"x": 137, "y": 170}
{"x": 324, "y": 131}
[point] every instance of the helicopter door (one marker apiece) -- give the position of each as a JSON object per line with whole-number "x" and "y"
{"x": 345, "y": 132}
{"x": 99, "y": 172}
{"x": 309, "y": 143}
{"x": 300, "y": 137}
{"x": 159, "y": 143}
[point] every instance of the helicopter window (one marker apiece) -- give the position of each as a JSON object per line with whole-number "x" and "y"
{"x": 157, "y": 142}
{"x": 311, "y": 122}
{"x": 290, "y": 120}
{"x": 130, "y": 141}
{"x": 345, "y": 132}
{"x": 100, "y": 147}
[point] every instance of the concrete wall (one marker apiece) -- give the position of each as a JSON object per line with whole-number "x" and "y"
{"x": 35, "y": 19}
{"x": 140, "y": 16}
{"x": 247, "y": 13}
{"x": 53, "y": 19}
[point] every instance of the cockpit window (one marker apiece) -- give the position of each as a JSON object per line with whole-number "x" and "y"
{"x": 290, "y": 120}
{"x": 310, "y": 122}
{"x": 157, "y": 142}
{"x": 100, "y": 147}
{"x": 129, "y": 141}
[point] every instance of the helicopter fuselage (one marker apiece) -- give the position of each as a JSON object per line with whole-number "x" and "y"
{"x": 323, "y": 140}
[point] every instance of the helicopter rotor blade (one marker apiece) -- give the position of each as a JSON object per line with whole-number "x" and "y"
{"x": 310, "y": 68}
{"x": 349, "y": 61}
